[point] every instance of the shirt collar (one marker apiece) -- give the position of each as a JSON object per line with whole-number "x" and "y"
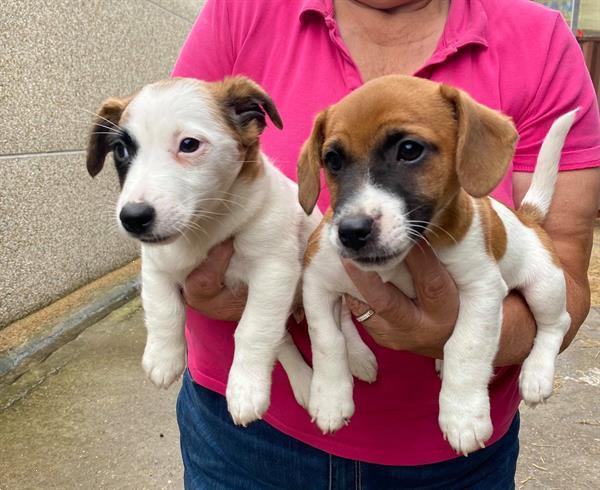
{"x": 466, "y": 23}
{"x": 322, "y": 7}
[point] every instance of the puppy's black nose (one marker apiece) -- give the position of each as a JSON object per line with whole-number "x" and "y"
{"x": 354, "y": 232}
{"x": 137, "y": 217}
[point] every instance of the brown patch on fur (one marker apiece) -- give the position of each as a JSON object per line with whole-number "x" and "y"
{"x": 397, "y": 102}
{"x": 493, "y": 229}
{"x": 455, "y": 220}
{"x": 485, "y": 143}
{"x": 314, "y": 240}
{"x": 242, "y": 104}
{"x": 309, "y": 166}
{"x": 532, "y": 217}
{"x": 366, "y": 116}
{"x": 253, "y": 164}
{"x": 470, "y": 148}
{"x": 531, "y": 213}
{"x": 110, "y": 114}
{"x": 472, "y": 144}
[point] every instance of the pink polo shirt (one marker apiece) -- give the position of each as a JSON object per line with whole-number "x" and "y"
{"x": 514, "y": 56}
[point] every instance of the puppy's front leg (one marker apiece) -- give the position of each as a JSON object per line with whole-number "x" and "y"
{"x": 468, "y": 362}
{"x": 164, "y": 355}
{"x": 258, "y": 336}
{"x": 330, "y": 404}
{"x": 362, "y": 361}
{"x": 299, "y": 373}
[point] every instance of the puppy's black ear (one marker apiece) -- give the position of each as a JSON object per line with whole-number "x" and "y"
{"x": 309, "y": 165}
{"x": 107, "y": 121}
{"x": 485, "y": 143}
{"x": 244, "y": 104}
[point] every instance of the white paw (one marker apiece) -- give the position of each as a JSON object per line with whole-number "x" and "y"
{"x": 466, "y": 423}
{"x": 163, "y": 365}
{"x": 248, "y": 396}
{"x": 363, "y": 363}
{"x": 439, "y": 368}
{"x": 331, "y": 404}
{"x": 536, "y": 382}
{"x": 300, "y": 380}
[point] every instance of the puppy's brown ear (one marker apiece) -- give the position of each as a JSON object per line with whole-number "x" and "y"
{"x": 244, "y": 104}
{"x": 309, "y": 165}
{"x": 107, "y": 121}
{"x": 485, "y": 143}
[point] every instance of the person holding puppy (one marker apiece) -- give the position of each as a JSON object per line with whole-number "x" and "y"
{"x": 517, "y": 57}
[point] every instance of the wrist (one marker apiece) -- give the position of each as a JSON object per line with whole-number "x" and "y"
{"x": 518, "y": 331}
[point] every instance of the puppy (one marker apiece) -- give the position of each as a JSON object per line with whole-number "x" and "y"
{"x": 192, "y": 175}
{"x": 407, "y": 159}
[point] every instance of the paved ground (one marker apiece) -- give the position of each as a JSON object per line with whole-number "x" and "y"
{"x": 93, "y": 421}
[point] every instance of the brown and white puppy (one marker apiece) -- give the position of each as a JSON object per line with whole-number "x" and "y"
{"x": 408, "y": 159}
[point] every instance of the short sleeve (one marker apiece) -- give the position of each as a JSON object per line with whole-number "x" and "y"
{"x": 565, "y": 84}
{"x": 207, "y": 53}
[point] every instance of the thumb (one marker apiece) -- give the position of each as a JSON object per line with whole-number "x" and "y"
{"x": 434, "y": 286}
{"x": 356, "y": 306}
{"x": 384, "y": 298}
{"x": 207, "y": 279}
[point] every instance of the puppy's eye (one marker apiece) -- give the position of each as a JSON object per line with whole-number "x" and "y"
{"x": 189, "y": 145}
{"x": 120, "y": 152}
{"x": 333, "y": 161}
{"x": 409, "y": 150}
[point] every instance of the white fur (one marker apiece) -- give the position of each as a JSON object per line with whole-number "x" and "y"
{"x": 482, "y": 283}
{"x": 199, "y": 202}
{"x": 544, "y": 179}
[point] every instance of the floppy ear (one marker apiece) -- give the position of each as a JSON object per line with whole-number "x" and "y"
{"x": 309, "y": 165}
{"x": 485, "y": 143}
{"x": 107, "y": 120}
{"x": 244, "y": 104}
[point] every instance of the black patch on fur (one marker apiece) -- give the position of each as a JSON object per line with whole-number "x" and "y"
{"x": 400, "y": 178}
{"x": 386, "y": 172}
{"x": 122, "y": 137}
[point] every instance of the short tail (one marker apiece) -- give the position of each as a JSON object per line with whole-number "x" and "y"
{"x": 539, "y": 195}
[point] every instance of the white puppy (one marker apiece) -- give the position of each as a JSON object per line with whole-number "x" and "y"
{"x": 192, "y": 175}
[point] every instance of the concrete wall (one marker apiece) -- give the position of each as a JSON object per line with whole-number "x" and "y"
{"x": 59, "y": 59}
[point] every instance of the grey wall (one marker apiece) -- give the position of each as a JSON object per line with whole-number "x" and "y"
{"x": 57, "y": 59}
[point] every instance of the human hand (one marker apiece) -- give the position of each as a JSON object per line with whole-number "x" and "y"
{"x": 204, "y": 289}
{"x": 421, "y": 325}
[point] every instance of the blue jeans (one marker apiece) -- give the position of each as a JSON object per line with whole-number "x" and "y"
{"x": 218, "y": 455}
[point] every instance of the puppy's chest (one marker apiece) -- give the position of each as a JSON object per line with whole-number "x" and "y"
{"x": 177, "y": 259}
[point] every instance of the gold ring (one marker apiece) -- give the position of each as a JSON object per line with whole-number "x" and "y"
{"x": 366, "y": 315}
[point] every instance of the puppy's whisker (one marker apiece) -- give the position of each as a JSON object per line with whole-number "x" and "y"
{"x": 114, "y": 130}
{"x": 101, "y": 117}
{"x": 206, "y": 211}
{"x": 427, "y": 223}
{"x": 237, "y": 196}
{"x": 220, "y": 199}
{"x": 424, "y": 229}
{"x": 211, "y": 218}
{"x": 195, "y": 227}
{"x": 423, "y": 238}
{"x": 406, "y": 215}
{"x": 181, "y": 231}
{"x": 416, "y": 242}
{"x": 103, "y": 132}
